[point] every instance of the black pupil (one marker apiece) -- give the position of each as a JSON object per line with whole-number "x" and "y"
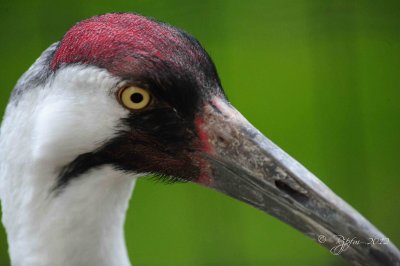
{"x": 136, "y": 97}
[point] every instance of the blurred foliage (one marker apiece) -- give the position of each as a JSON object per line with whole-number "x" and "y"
{"x": 319, "y": 78}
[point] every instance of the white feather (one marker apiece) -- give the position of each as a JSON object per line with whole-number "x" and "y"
{"x": 73, "y": 113}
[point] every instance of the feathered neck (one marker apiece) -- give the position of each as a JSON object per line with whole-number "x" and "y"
{"x": 83, "y": 223}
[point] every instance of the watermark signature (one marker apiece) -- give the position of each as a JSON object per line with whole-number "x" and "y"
{"x": 341, "y": 244}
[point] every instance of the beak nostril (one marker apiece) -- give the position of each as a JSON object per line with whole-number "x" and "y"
{"x": 221, "y": 139}
{"x": 293, "y": 193}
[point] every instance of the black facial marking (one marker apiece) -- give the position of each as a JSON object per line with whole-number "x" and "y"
{"x": 159, "y": 141}
{"x": 77, "y": 167}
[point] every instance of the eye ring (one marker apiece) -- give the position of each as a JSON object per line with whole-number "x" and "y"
{"x": 134, "y": 98}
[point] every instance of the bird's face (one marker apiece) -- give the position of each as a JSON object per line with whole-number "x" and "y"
{"x": 145, "y": 98}
{"x": 159, "y": 79}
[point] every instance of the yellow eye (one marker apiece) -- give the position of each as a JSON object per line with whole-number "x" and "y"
{"x": 134, "y": 98}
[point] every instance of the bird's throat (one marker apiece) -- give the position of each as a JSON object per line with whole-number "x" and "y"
{"x": 81, "y": 225}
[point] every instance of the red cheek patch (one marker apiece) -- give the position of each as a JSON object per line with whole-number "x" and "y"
{"x": 204, "y": 180}
{"x": 203, "y": 136}
{"x": 205, "y": 146}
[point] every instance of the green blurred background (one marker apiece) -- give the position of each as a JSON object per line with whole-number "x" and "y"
{"x": 319, "y": 78}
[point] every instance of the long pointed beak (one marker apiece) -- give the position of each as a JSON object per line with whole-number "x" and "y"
{"x": 246, "y": 165}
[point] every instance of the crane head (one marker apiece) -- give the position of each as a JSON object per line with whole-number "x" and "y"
{"x": 144, "y": 97}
